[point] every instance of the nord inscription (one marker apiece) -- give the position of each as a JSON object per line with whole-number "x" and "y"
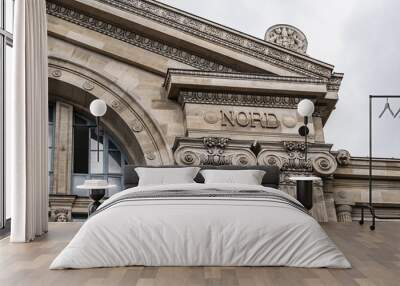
{"x": 249, "y": 119}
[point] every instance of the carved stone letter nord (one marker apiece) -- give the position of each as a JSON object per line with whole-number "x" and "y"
{"x": 252, "y": 119}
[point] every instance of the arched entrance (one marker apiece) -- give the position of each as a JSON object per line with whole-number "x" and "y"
{"x": 125, "y": 116}
{"x": 126, "y": 123}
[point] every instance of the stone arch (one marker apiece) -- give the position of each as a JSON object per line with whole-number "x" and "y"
{"x": 126, "y": 116}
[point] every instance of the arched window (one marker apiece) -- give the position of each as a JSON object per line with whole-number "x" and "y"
{"x": 86, "y": 164}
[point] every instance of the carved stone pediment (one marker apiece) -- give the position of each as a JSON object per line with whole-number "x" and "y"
{"x": 213, "y": 151}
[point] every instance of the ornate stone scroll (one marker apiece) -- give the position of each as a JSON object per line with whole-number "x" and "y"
{"x": 215, "y": 151}
{"x": 289, "y": 157}
{"x": 288, "y": 37}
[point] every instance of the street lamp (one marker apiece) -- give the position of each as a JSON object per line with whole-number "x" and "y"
{"x": 98, "y": 108}
{"x": 304, "y": 184}
{"x": 305, "y": 108}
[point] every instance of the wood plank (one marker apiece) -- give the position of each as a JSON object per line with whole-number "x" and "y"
{"x": 375, "y": 257}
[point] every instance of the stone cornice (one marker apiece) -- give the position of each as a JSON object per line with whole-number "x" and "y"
{"x": 178, "y": 80}
{"x": 238, "y": 99}
{"x": 224, "y": 36}
{"x": 56, "y": 9}
{"x": 244, "y": 76}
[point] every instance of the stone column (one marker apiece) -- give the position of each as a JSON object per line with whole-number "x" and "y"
{"x": 344, "y": 213}
{"x": 63, "y": 149}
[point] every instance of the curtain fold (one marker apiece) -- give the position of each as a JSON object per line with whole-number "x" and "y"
{"x": 27, "y": 124}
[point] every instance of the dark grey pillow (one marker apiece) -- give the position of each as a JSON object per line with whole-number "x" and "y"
{"x": 270, "y": 179}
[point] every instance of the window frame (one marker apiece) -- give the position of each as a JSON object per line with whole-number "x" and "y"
{"x": 6, "y": 39}
{"x": 105, "y": 174}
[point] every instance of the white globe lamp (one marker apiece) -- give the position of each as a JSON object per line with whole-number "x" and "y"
{"x": 98, "y": 107}
{"x": 305, "y": 108}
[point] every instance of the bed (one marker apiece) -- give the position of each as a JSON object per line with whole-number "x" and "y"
{"x": 201, "y": 224}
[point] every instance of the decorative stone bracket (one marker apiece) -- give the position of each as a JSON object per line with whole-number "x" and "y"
{"x": 289, "y": 156}
{"x": 61, "y": 207}
{"x": 213, "y": 151}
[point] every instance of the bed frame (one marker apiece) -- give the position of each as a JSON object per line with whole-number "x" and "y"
{"x": 271, "y": 178}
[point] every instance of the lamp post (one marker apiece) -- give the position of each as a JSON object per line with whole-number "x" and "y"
{"x": 98, "y": 108}
{"x": 305, "y": 108}
{"x": 304, "y": 184}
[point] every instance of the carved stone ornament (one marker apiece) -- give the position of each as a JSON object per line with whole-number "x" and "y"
{"x": 215, "y": 147}
{"x": 211, "y": 117}
{"x": 296, "y": 160}
{"x": 238, "y": 99}
{"x": 87, "y": 85}
{"x": 272, "y": 159}
{"x": 289, "y": 121}
{"x": 288, "y": 37}
{"x": 151, "y": 156}
{"x": 136, "y": 125}
{"x": 60, "y": 215}
{"x": 343, "y": 157}
{"x": 324, "y": 164}
{"x": 56, "y": 73}
{"x": 190, "y": 158}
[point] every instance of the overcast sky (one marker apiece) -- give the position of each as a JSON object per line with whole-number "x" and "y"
{"x": 360, "y": 37}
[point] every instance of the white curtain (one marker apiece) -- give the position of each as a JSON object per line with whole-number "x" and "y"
{"x": 27, "y": 124}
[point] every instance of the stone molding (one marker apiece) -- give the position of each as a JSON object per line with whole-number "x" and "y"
{"x": 224, "y": 36}
{"x": 238, "y": 99}
{"x": 244, "y": 76}
{"x": 74, "y": 16}
{"x": 213, "y": 151}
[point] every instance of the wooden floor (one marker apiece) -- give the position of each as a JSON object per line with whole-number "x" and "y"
{"x": 375, "y": 257}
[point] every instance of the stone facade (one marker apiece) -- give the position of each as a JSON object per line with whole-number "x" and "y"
{"x": 183, "y": 90}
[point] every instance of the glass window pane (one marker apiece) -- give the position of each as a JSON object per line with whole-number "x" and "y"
{"x": 111, "y": 145}
{"x": 78, "y": 120}
{"x": 114, "y": 162}
{"x": 93, "y": 139}
{"x": 81, "y": 150}
{"x": 50, "y": 183}
{"x": 50, "y": 159}
{"x": 51, "y": 113}
{"x": 96, "y": 166}
{"x": 9, "y": 9}
{"x": 51, "y": 134}
{"x": 9, "y": 70}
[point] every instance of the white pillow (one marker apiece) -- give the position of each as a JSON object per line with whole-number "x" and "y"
{"x": 166, "y": 176}
{"x": 247, "y": 177}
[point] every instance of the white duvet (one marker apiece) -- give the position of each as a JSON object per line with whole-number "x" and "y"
{"x": 200, "y": 231}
